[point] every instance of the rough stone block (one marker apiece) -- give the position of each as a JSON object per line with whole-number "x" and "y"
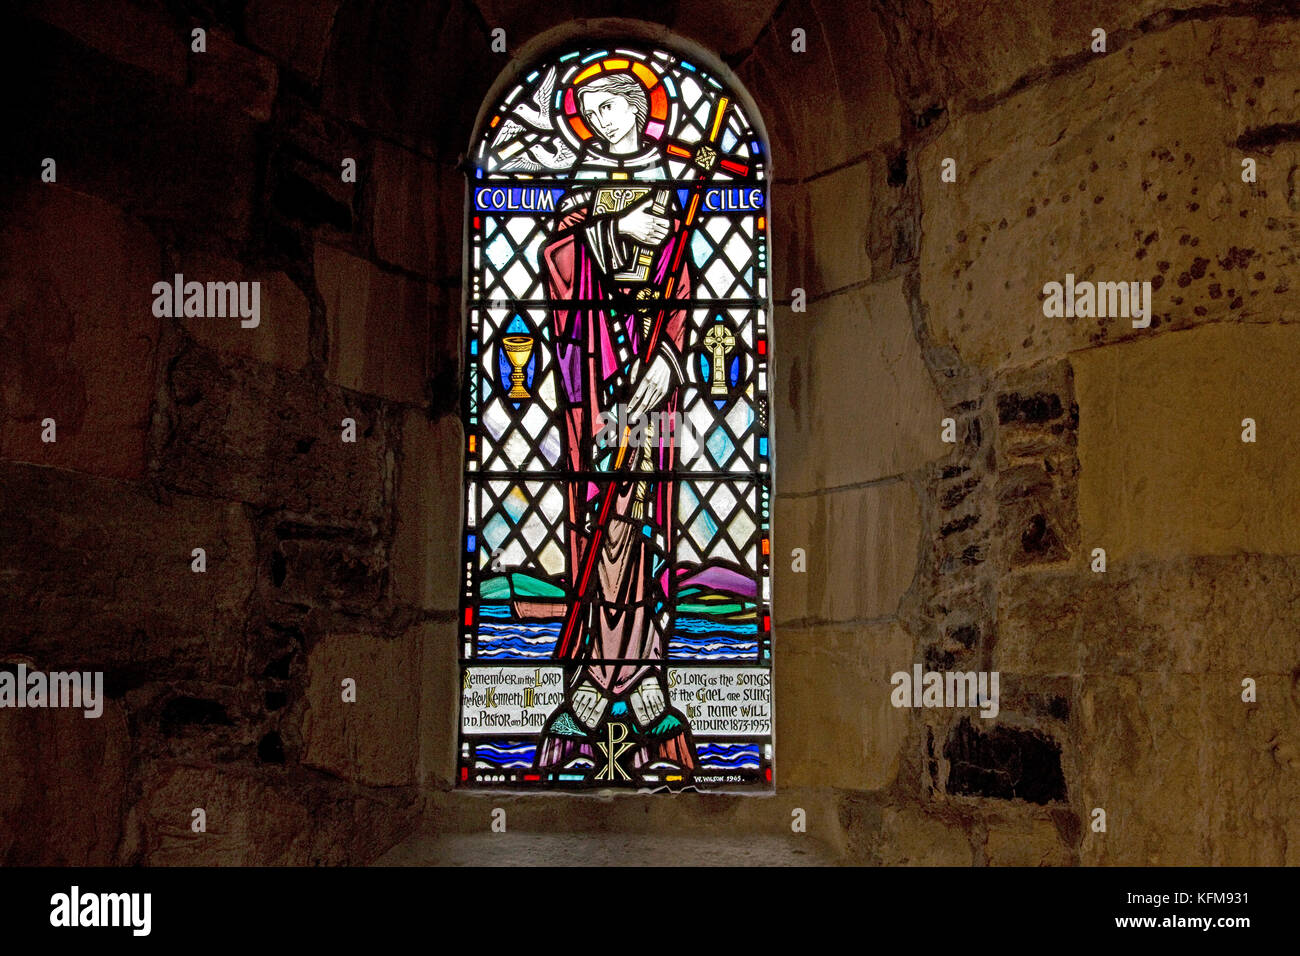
{"x": 1120, "y": 189}
{"x": 1140, "y": 752}
{"x": 97, "y": 575}
{"x": 139, "y": 32}
{"x": 1039, "y": 623}
{"x": 822, "y": 230}
{"x": 281, "y": 336}
{"x": 78, "y": 338}
{"x": 427, "y": 546}
{"x": 256, "y": 434}
{"x": 1251, "y": 766}
{"x": 419, "y": 211}
{"x": 378, "y": 326}
{"x": 1026, "y": 843}
{"x": 847, "y": 65}
{"x": 834, "y": 719}
{"x": 295, "y": 32}
{"x": 119, "y": 134}
{"x": 1228, "y": 615}
{"x": 374, "y": 740}
{"x": 340, "y": 572}
{"x": 1163, "y": 469}
{"x": 439, "y": 721}
{"x": 910, "y": 837}
{"x": 988, "y": 51}
{"x": 853, "y": 398}
{"x": 861, "y": 547}
{"x": 259, "y": 818}
{"x": 386, "y": 70}
{"x": 232, "y": 74}
{"x": 64, "y": 776}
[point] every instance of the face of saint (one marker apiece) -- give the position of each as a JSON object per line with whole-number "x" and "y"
{"x": 610, "y": 115}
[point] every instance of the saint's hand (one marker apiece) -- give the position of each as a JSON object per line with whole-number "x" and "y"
{"x": 647, "y": 701}
{"x": 644, "y": 226}
{"x": 654, "y": 386}
{"x": 588, "y": 704}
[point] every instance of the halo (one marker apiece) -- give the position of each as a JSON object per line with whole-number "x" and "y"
{"x": 656, "y": 120}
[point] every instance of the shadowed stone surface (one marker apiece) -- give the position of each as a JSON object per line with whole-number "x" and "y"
{"x": 592, "y": 849}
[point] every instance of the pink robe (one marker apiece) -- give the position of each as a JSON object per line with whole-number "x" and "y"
{"x": 621, "y": 632}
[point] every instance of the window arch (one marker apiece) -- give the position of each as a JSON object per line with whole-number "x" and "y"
{"x": 616, "y": 620}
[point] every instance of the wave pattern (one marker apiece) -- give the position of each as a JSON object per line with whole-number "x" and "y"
{"x": 728, "y": 756}
{"x": 505, "y": 754}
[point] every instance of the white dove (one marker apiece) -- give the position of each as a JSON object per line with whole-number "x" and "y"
{"x": 538, "y": 118}
{"x": 537, "y": 157}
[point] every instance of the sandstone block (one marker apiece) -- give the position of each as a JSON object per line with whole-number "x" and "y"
{"x": 1026, "y": 843}
{"x": 846, "y": 67}
{"x": 234, "y": 75}
{"x": 419, "y": 211}
{"x": 1163, "y": 469}
{"x": 910, "y": 837}
{"x": 1120, "y": 189}
{"x": 987, "y": 51}
{"x": 861, "y": 547}
{"x": 98, "y": 576}
{"x": 427, "y": 546}
{"x": 378, "y": 326}
{"x": 78, "y": 338}
{"x": 259, "y": 435}
{"x": 281, "y": 336}
{"x": 374, "y": 740}
{"x": 260, "y": 818}
{"x": 296, "y": 32}
{"x": 61, "y": 803}
{"x": 854, "y": 399}
{"x": 139, "y": 32}
{"x": 834, "y": 719}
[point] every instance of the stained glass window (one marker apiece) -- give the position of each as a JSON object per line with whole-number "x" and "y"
{"x": 616, "y": 622}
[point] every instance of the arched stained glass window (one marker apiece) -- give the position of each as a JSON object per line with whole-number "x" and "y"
{"x": 616, "y": 622}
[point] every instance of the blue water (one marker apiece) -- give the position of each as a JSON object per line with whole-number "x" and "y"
{"x": 693, "y": 639}
{"x": 713, "y": 647}
{"x": 728, "y": 756}
{"x": 508, "y": 754}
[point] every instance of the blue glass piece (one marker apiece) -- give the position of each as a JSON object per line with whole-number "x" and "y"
{"x": 720, "y": 445}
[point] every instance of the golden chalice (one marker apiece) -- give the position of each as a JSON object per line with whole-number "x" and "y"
{"x": 517, "y": 348}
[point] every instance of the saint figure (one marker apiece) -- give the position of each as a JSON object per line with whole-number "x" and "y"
{"x": 609, "y": 262}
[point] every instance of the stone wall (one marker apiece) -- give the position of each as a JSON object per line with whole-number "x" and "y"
{"x": 1120, "y": 690}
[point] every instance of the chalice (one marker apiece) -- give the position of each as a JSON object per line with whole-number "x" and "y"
{"x": 517, "y": 348}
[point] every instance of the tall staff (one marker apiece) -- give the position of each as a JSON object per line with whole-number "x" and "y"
{"x": 704, "y": 157}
